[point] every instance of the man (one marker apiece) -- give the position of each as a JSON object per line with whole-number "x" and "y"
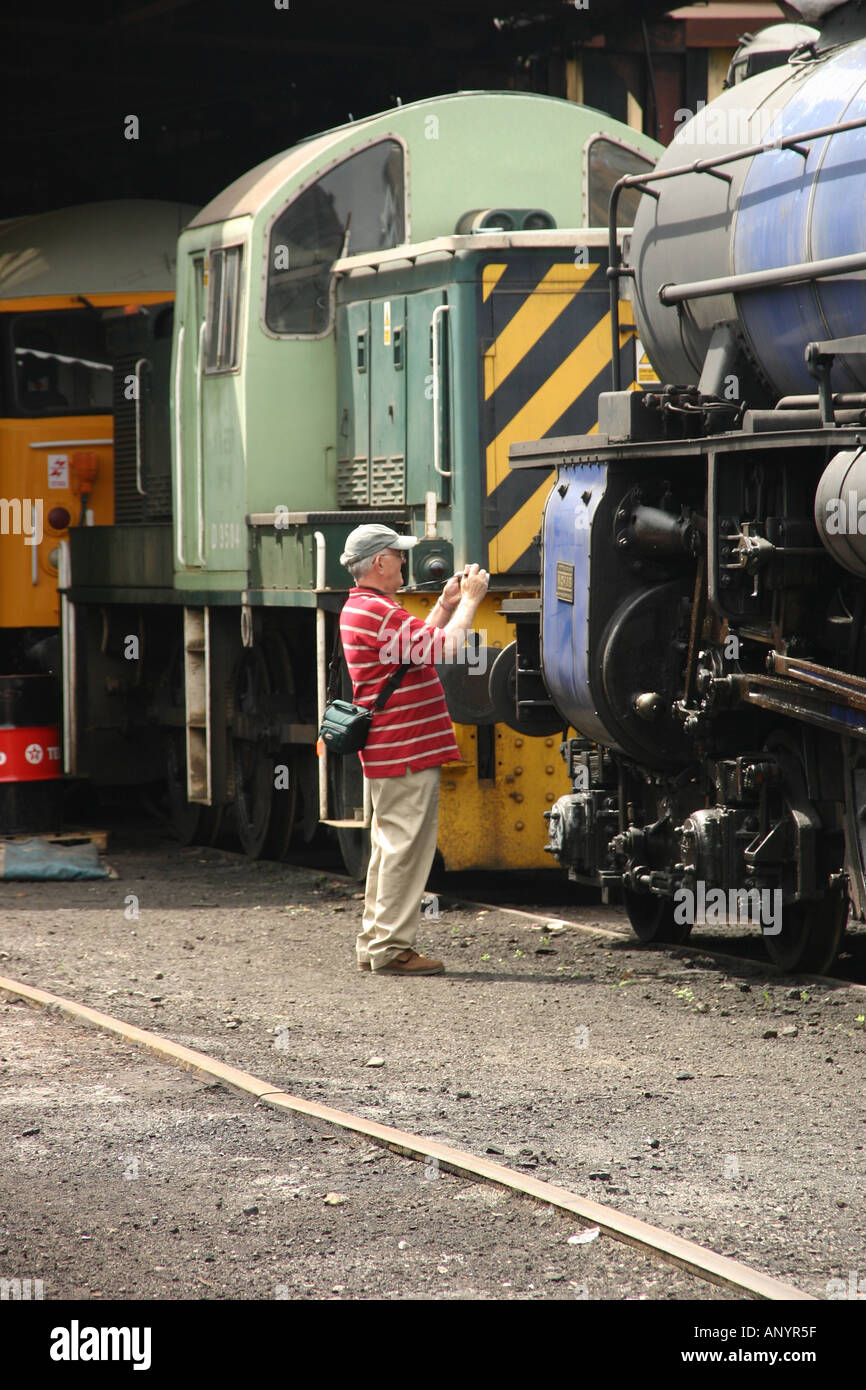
{"x": 410, "y": 738}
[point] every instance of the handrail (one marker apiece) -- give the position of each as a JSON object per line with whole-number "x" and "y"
{"x": 142, "y": 361}
{"x": 178, "y": 447}
{"x": 68, "y": 666}
{"x": 437, "y": 443}
{"x": 698, "y": 166}
{"x": 66, "y": 443}
{"x": 763, "y": 279}
{"x": 321, "y": 671}
{"x": 199, "y": 472}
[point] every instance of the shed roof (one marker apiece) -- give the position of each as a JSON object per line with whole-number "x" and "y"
{"x": 95, "y": 248}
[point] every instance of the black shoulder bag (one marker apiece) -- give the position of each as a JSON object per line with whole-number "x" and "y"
{"x": 345, "y": 726}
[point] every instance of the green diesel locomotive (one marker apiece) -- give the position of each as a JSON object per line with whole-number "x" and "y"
{"x": 362, "y": 326}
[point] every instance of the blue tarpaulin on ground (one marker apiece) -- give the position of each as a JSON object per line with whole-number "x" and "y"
{"x": 40, "y": 859}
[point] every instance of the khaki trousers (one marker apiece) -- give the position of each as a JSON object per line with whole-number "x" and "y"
{"x": 403, "y": 843}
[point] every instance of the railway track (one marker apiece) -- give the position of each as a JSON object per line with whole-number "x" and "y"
{"x": 518, "y": 895}
{"x": 554, "y": 1038}
{"x": 703, "y": 1263}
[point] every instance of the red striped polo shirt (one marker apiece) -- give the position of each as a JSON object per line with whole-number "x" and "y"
{"x": 414, "y": 730}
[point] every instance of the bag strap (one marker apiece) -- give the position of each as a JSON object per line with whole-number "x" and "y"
{"x": 334, "y": 675}
{"x": 390, "y": 686}
{"x": 334, "y": 668}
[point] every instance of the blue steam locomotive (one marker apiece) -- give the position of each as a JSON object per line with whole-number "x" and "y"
{"x": 703, "y": 616}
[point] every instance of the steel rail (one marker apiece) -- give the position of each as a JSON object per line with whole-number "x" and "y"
{"x": 673, "y": 1249}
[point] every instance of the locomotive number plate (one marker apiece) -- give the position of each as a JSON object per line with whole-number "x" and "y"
{"x": 565, "y": 582}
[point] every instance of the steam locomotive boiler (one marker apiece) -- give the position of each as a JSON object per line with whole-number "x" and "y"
{"x": 704, "y": 553}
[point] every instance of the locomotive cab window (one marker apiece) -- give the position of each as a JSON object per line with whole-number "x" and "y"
{"x": 607, "y": 161}
{"x": 222, "y": 333}
{"x": 358, "y": 206}
{"x": 61, "y": 364}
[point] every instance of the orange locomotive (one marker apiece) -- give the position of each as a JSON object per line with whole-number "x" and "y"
{"x": 65, "y": 277}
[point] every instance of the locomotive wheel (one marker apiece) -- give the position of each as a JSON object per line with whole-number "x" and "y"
{"x": 185, "y": 816}
{"x": 811, "y": 934}
{"x": 283, "y": 799}
{"x": 855, "y": 824}
{"x": 254, "y": 765}
{"x": 307, "y": 778}
{"x": 652, "y": 918}
{"x": 347, "y": 792}
{"x": 812, "y": 931}
{"x": 210, "y": 825}
{"x": 283, "y": 806}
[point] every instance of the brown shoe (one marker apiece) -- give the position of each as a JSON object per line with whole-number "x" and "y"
{"x": 411, "y": 963}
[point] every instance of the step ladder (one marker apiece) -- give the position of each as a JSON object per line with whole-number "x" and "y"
{"x": 196, "y": 680}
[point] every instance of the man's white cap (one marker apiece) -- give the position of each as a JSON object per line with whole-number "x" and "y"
{"x": 372, "y": 539}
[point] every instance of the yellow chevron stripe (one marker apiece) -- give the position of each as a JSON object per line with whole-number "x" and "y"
{"x": 569, "y": 381}
{"x": 509, "y": 543}
{"x": 490, "y": 277}
{"x": 543, "y": 304}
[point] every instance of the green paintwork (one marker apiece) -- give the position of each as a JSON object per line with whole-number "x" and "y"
{"x": 268, "y": 433}
{"x": 283, "y": 561}
{"x": 122, "y": 556}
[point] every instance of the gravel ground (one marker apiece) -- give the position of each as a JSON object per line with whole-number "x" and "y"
{"x": 125, "y": 1178}
{"x": 719, "y": 1101}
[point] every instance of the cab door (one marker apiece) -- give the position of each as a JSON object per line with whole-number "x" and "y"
{"x": 209, "y": 427}
{"x": 353, "y": 405}
{"x": 428, "y": 441}
{"x": 186, "y": 419}
{"x": 388, "y": 402}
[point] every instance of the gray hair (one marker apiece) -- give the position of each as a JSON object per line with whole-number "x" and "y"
{"x": 360, "y": 567}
